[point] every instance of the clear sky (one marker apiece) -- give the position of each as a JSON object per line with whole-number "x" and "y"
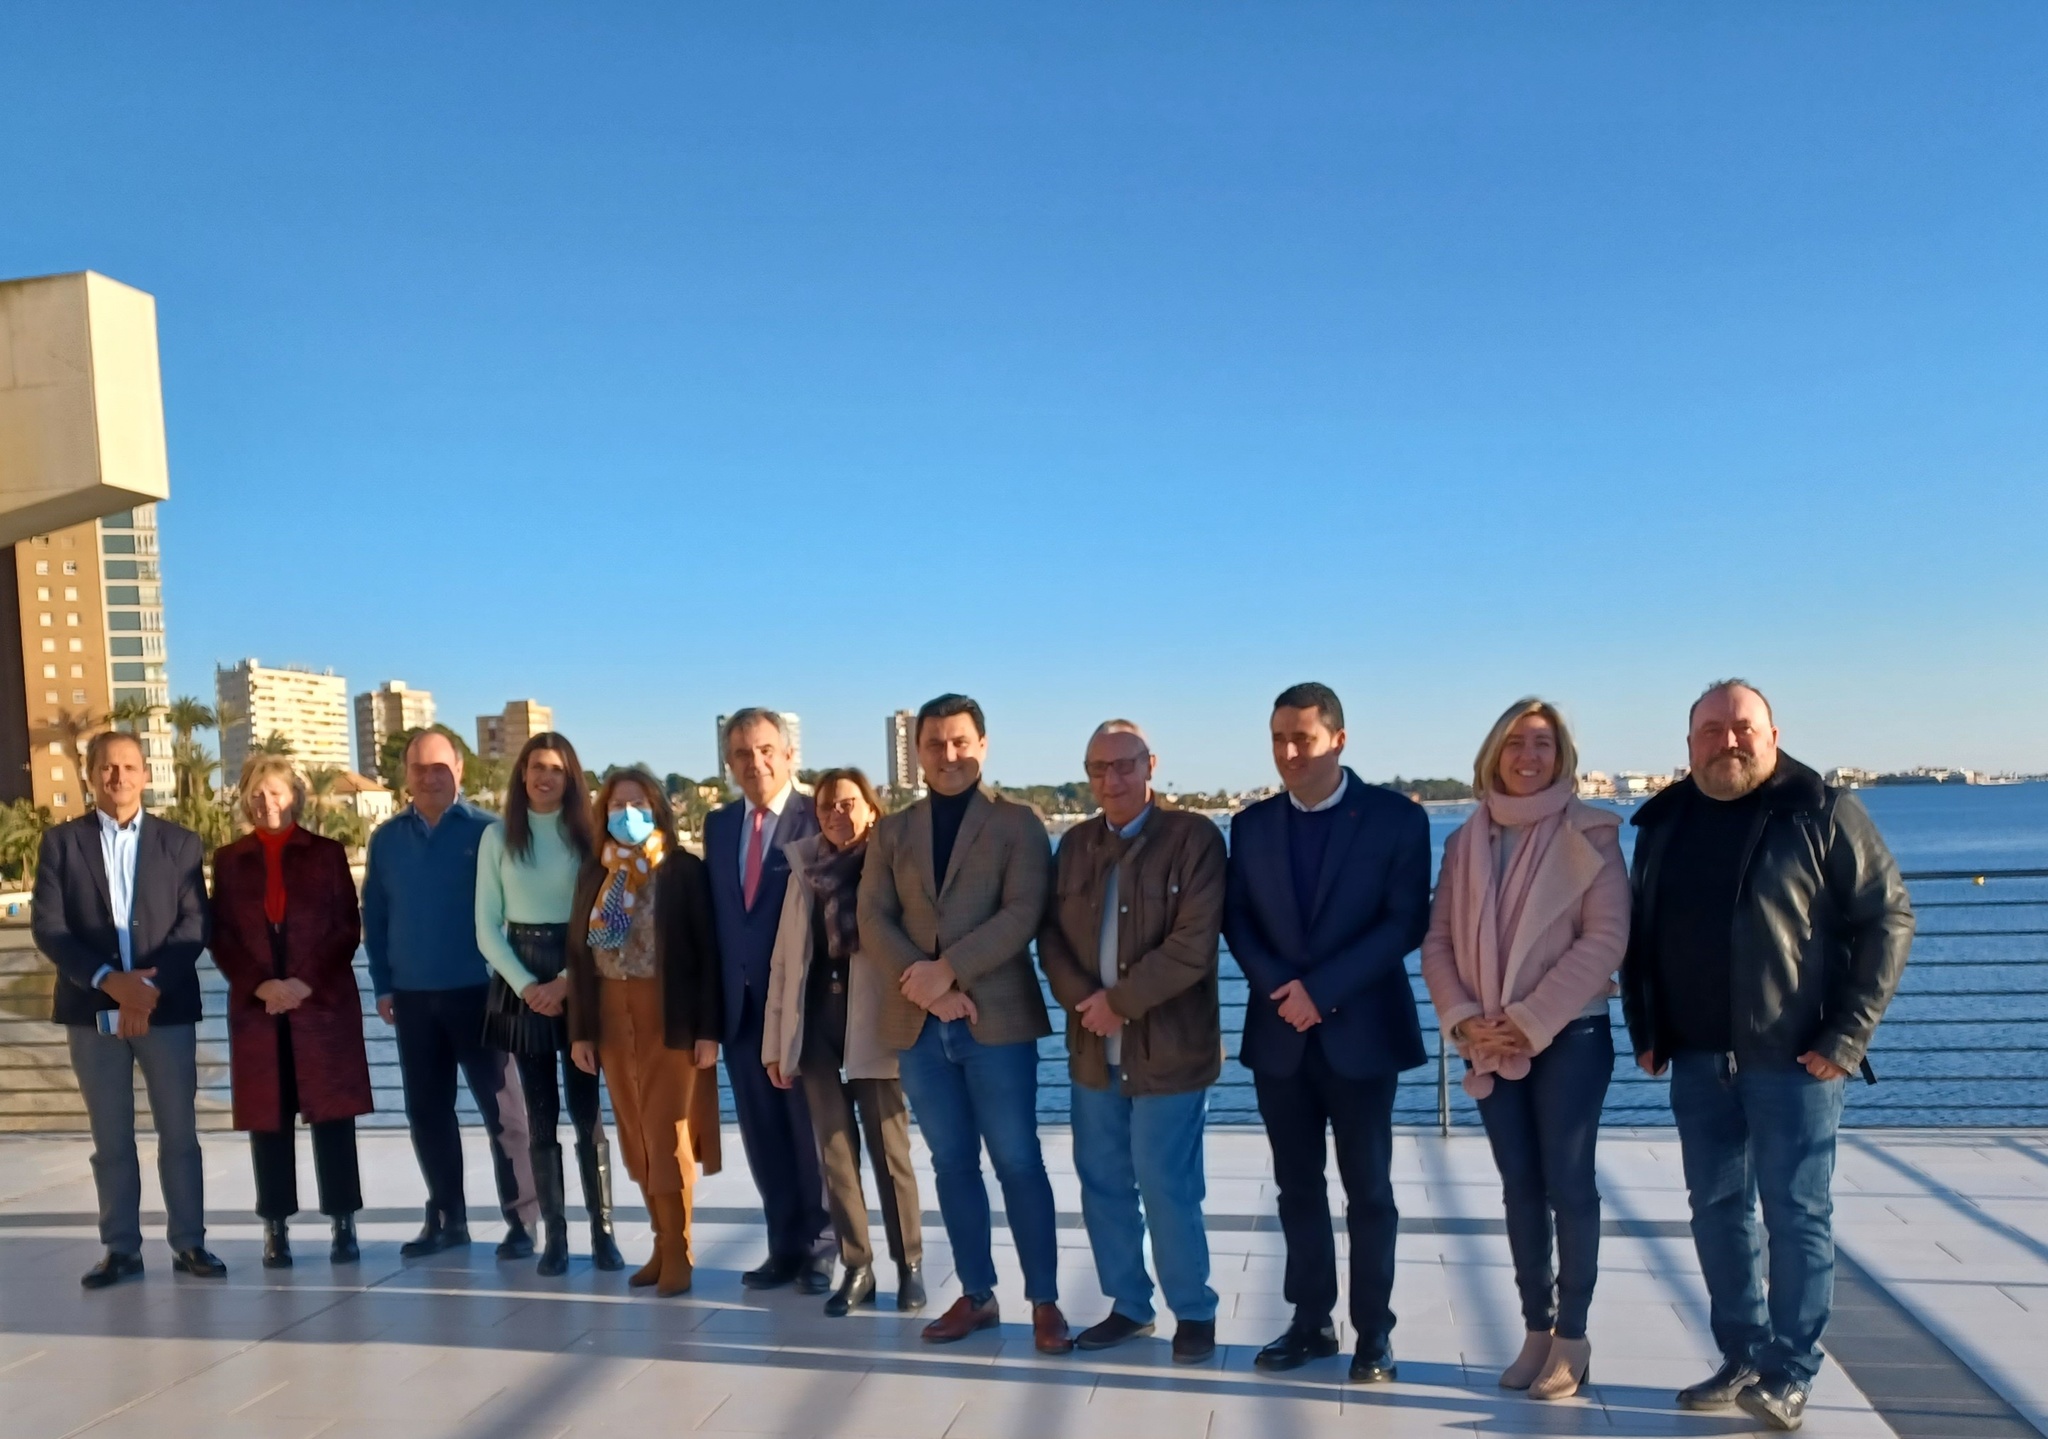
{"x": 1092, "y": 359}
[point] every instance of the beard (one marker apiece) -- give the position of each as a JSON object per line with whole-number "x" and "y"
{"x": 1731, "y": 774}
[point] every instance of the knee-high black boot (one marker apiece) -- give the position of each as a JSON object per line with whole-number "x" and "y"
{"x": 547, "y": 1179}
{"x": 594, "y": 1158}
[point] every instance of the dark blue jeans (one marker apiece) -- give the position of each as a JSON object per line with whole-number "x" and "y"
{"x": 965, "y": 1094}
{"x": 1761, "y": 1131}
{"x": 1542, "y": 1128}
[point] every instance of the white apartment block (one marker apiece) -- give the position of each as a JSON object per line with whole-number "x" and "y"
{"x": 309, "y": 708}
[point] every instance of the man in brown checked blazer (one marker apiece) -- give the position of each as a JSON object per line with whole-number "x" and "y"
{"x": 954, "y": 889}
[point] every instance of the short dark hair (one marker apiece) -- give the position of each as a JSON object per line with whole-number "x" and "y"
{"x": 1310, "y": 695}
{"x": 96, "y": 748}
{"x": 945, "y": 707}
{"x": 846, "y": 774}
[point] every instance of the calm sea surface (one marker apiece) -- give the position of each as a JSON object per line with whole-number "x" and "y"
{"x": 1965, "y": 1043}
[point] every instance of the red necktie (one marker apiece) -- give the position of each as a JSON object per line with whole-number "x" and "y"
{"x": 750, "y": 882}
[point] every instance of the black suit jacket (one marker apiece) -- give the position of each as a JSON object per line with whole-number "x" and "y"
{"x": 1371, "y": 912}
{"x": 73, "y": 917}
{"x": 746, "y": 937}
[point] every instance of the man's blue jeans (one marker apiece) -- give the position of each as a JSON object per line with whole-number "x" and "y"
{"x": 1147, "y": 1148}
{"x": 965, "y": 1094}
{"x": 1761, "y": 1130}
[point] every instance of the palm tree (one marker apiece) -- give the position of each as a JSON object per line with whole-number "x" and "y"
{"x": 72, "y": 729}
{"x": 277, "y": 742}
{"x": 190, "y": 763}
{"x": 21, "y": 837}
{"x": 187, "y": 715}
{"x": 129, "y": 712}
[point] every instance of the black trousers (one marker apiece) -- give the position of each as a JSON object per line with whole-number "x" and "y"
{"x": 440, "y": 1035}
{"x": 782, "y": 1148}
{"x": 275, "y": 1152}
{"x": 1360, "y": 1113}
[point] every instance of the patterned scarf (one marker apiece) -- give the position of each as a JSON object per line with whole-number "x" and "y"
{"x": 627, "y": 868}
{"x": 835, "y": 877}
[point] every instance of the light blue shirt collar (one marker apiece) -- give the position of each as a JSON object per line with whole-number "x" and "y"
{"x": 1336, "y": 796}
{"x": 119, "y": 844}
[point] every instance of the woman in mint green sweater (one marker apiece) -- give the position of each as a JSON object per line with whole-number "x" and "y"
{"x": 526, "y": 868}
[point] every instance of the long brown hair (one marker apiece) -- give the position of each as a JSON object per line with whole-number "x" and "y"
{"x": 575, "y": 800}
{"x": 657, "y": 799}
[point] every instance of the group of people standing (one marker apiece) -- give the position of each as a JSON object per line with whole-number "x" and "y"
{"x": 859, "y": 969}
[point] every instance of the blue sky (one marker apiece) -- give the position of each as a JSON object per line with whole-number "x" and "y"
{"x": 1092, "y": 359}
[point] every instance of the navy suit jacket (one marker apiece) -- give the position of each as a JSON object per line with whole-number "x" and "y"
{"x": 73, "y": 917}
{"x": 1371, "y": 911}
{"x": 746, "y": 937}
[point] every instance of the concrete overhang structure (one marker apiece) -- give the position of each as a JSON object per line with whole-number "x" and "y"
{"x": 81, "y": 403}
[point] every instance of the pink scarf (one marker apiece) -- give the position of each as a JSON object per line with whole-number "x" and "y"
{"x": 1486, "y": 915}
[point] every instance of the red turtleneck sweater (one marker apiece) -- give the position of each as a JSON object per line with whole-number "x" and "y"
{"x": 273, "y": 871}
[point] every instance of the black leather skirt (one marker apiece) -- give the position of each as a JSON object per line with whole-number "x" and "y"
{"x": 509, "y": 1024}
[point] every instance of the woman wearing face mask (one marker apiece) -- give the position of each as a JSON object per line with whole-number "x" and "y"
{"x": 1529, "y": 923}
{"x": 526, "y": 870}
{"x": 644, "y": 1003}
{"x": 285, "y": 929}
{"x": 822, "y": 1025}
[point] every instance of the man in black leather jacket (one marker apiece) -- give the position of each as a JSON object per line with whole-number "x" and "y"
{"x": 1770, "y": 931}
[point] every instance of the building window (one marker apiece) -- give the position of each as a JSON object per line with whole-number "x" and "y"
{"x": 49, "y": 672}
{"x": 76, "y": 647}
{"x": 124, "y": 569}
{"x": 124, "y": 646}
{"x": 46, "y": 619}
{"x": 71, "y": 567}
{"x": 123, "y": 521}
{"x": 71, "y": 594}
{"x": 118, "y": 544}
{"x": 124, "y": 594}
{"x": 124, "y": 619}
{"x": 49, "y": 697}
{"x": 56, "y": 748}
{"x": 58, "y": 799}
{"x": 43, "y": 593}
{"x": 56, "y": 771}
{"x": 49, "y": 647}
{"x": 78, "y": 672}
{"x": 42, "y": 567}
{"x": 78, "y": 697}
{"x": 72, "y": 619}
{"x": 131, "y": 672}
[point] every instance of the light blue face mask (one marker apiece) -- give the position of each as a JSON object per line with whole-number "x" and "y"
{"x": 631, "y": 825}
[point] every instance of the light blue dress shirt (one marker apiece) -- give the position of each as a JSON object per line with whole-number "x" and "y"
{"x": 1106, "y": 953}
{"x": 118, "y": 845}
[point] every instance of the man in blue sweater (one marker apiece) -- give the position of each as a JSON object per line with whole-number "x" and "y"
{"x": 419, "y": 925}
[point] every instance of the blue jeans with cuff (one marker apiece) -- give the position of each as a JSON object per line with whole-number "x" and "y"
{"x": 1761, "y": 1131}
{"x": 965, "y": 1094}
{"x": 1140, "y": 1163}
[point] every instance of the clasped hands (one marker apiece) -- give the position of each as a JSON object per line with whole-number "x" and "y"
{"x": 1496, "y": 1038}
{"x": 282, "y": 996}
{"x": 132, "y": 991}
{"x": 931, "y": 985}
{"x": 547, "y": 998}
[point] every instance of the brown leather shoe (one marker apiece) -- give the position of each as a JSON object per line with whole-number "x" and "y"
{"x": 964, "y": 1318}
{"x": 1049, "y": 1330}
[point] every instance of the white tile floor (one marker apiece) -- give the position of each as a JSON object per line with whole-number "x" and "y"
{"x": 467, "y": 1347}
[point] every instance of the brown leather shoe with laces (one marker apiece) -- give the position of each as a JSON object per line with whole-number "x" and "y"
{"x": 964, "y": 1318}
{"x": 1049, "y": 1330}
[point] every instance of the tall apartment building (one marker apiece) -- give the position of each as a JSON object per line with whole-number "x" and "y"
{"x": 503, "y": 735}
{"x": 84, "y": 606}
{"x": 309, "y": 708}
{"x": 904, "y": 773}
{"x": 391, "y": 708}
{"x": 796, "y": 742}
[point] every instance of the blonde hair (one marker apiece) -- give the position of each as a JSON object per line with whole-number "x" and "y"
{"x": 261, "y": 767}
{"x": 1486, "y": 769}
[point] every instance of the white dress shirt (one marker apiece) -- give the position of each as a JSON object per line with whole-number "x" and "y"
{"x": 774, "y": 809}
{"x": 1343, "y": 783}
{"x": 118, "y": 845}
{"x": 1106, "y": 952}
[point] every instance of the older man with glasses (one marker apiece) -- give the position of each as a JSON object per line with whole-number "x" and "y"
{"x": 1129, "y": 947}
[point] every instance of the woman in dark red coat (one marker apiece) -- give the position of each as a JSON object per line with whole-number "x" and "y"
{"x": 285, "y": 929}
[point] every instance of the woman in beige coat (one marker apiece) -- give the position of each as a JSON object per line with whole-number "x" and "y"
{"x": 823, "y": 1025}
{"x": 1529, "y": 924}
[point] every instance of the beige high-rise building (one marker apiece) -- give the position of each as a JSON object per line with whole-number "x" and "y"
{"x": 309, "y": 708}
{"x": 904, "y": 773}
{"x": 392, "y": 708}
{"x": 88, "y": 617}
{"x": 503, "y": 735}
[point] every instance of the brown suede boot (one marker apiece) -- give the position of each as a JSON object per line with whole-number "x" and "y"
{"x": 675, "y": 1245}
{"x": 649, "y": 1273}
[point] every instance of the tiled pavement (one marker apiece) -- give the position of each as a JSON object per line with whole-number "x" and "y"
{"x": 1956, "y": 1225}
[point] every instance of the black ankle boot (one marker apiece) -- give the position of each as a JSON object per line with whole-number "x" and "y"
{"x": 344, "y": 1250}
{"x": 554, "y": 1225}
{"x": 856, "y": 1288}
{"x": 595, "y": 1163}
{"x": 277, "y": 1244}
{"x": 910, "y": 1288}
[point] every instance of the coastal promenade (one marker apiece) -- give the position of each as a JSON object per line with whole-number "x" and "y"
{"x": 1942, "y": 1317}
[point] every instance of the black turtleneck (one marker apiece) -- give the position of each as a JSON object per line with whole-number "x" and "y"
{"x": 947, "y": 812}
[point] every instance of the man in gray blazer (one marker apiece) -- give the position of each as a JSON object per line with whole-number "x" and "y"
{"x": 954, "y": 889}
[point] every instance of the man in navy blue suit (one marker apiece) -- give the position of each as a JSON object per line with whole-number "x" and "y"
{"x": 1327, "y": 893}
{"x": 749, "y": 872}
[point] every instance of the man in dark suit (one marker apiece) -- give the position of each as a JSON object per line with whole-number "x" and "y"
{"x": 120, "y": 909}
{"x": 749, "y": 872}
{"x": 1327, "y": 893}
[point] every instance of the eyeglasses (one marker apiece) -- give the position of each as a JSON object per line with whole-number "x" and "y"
{"x": 1121, "y": 768}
